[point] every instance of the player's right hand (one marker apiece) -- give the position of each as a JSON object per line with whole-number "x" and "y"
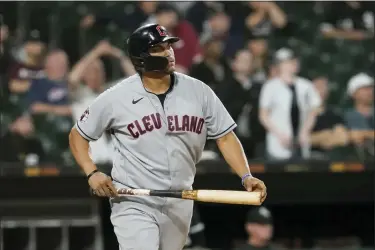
{"x": 102, "y": 185}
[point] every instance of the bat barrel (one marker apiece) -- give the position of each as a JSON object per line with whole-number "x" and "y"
{"x": 229, "y": 197}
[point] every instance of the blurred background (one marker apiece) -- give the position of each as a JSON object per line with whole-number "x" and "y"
{"x": 57, "y": 57}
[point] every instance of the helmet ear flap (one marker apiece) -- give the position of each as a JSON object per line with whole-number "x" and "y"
{"x": 146, "y": 62}
{"x": 138, "y": 63}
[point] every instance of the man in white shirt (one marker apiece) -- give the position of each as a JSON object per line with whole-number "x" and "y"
{"x": 288, "y": 108}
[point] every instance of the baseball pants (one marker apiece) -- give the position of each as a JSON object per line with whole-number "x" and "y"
{"x": 151, "y": 226}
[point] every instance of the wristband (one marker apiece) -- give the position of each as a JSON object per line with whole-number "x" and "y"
{"x": 92, "y": 173}
{"x": 244, "y": 177}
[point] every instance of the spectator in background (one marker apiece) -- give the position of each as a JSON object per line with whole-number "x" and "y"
{"x": 200, "y": 11}
{"x": 351, "y": 20}
{"x": 360, "y": 119}
{"x": 238, "y": 101}
{"x": 4, "y": 52}
{"x": 128, "y": 18}
{"x": 19, "y": 143}
{"x": 261, "y": 20}
{"x": 243, "y": 102}
{"x": 217, "y": 26}
{"x": 259, "y": 228}
{"x": 50, "y": 95}
{"x": 264, "y": 17}
{"x": 5, "y": 58}
{"x": 329, "y": 131}
{"x": 87, "y": 77}
{"x": 182, "y": 6}
{"x": 288, "y": 109}
{"x": 187, "y": 50}
{"x": 258, "y": 46}
{"x": 87, "y": 81}
{"x": 214, "y": 68}
{"x": 28, "y": 68}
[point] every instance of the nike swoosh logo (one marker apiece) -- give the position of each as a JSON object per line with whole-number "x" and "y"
{"x": 134, "y": 102}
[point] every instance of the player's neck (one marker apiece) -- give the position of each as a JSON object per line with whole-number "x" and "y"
{"x": 157, "y": 84}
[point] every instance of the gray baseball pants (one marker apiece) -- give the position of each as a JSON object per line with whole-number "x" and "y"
{"x": 151, "y": 223}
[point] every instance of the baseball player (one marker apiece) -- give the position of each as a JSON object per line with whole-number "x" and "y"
{"x": 159, "y": 121}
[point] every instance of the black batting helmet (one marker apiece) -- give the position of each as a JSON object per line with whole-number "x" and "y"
{"x": 139, "y": 43}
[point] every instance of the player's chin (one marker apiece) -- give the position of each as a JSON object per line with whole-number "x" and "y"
{"x": 170, "y": 69}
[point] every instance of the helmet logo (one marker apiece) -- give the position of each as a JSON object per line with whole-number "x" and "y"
{"x": 161, "y": 31}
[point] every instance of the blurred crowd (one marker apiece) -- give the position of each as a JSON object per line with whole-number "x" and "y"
{"x": 296, "y": 76}
{"x": 275, "y": 68}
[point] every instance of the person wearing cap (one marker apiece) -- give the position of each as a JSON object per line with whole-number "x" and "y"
{"x": 289, "y": 105}
{"x": 30, "y": 67}
{"x": 259, "y": 228}
{"x": 360, "y": 119}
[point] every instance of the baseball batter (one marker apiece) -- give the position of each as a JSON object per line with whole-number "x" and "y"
{"x": 159, "y": 121}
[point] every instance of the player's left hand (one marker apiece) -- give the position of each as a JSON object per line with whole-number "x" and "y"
{"x": 253, "y": 184}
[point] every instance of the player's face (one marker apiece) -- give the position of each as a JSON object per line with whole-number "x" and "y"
{"x": 166, "y": 50}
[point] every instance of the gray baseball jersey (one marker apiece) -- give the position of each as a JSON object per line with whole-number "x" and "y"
{"x": 156, "y": 147}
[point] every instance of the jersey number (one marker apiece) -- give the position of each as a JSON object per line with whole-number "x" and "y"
{"x": 161, "y": 31}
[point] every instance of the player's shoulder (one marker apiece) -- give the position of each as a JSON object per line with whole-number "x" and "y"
{"x": 117, "y": 90}
{"x": 126, "y": 82}
{"x": 188, "y": 81}
{"x": 121, "y": 86}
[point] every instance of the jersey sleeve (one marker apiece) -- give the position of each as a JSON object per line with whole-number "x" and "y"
{"x": 218, "y": 120}
{"x": 96, "y": 119}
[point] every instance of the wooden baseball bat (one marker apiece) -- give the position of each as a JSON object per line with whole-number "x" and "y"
{"x": 214, "y": 196}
